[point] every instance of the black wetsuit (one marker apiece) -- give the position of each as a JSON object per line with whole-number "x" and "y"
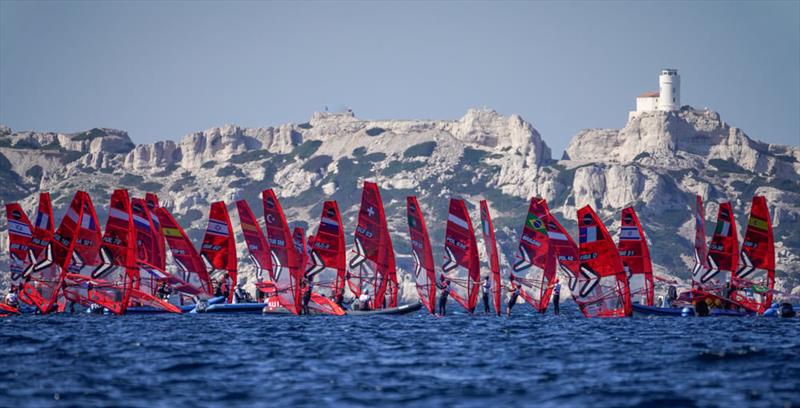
{"x": 443, "y": 299}
{"x": 486, "y": 291}
{"x": 307, "y": 298}
{"x": 513, "y": 300}
{"x": 556, "y": 296}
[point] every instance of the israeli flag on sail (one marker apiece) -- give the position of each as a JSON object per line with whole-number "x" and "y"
{"x": 588, "y": 234}
{"x": 458, "y": 221}
{"x": 19, "y": 228}
{"x": 217, "y": 228}
{"x": 629, "y": 233}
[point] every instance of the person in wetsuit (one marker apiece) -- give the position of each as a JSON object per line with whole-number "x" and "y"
{"x": 514, "y": 289}
{"x": 444, "y": 285}
{"x": 163, "y": 292}
{"x": 556, "y": 297}
{"x": 308, "y": 286}
{"x": 486, "y": 288}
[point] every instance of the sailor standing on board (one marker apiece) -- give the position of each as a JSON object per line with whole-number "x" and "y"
{"x": 556, "y": 296}
{"x": 308, "y": 286}
{"x": 11, "y": 298}
{"x": 514, "y": 289}
{"x": 486, "y": 288}
{"x": 444, "y": 285}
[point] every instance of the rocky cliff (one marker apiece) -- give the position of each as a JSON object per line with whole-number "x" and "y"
{"x": 656, "y": 162}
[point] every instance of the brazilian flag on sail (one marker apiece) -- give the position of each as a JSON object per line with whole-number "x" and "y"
{"x": 536, "y": 223}
{"x": 412, "y": 222}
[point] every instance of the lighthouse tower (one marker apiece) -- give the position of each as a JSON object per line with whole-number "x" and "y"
{"x": 669, "y": 96}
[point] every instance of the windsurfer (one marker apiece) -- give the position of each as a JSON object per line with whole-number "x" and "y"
{"x": 163, "y": 291}
{"x": 308, "y": 286}
{"x": 701, "y": 308}
{"x": 486, "y": 288}
{"x": 514, "y": 289}
{"x": 444, "y": 285}
{"x": 11, "y": 298}
{"x": 217, "y": 288}
{"x": 556, "y": 297}
{"x": 363, "y": 301}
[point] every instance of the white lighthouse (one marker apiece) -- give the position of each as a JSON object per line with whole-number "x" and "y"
{"x": 668, "y": 97}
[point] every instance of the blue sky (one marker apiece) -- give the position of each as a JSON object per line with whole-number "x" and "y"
{"x": 162, "y": 69}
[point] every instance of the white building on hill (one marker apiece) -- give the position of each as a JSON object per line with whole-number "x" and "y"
{"x": 668, "y": 98}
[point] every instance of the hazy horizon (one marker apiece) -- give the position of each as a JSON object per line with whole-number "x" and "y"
{"x": 162, "y": 70}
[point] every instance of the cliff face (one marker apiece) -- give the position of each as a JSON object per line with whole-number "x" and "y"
{"x": 657, "y": 162}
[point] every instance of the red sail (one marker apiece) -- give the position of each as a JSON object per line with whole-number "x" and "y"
{"x": 326, "y": 254}
{"x": 494, "y": 258}
{"x": 422, "y": 254}
{"x": 43, "y": 227}
{"x": 85, "y": 255}
{"x": 43, "y": 282}
{"x": 160, "y": 247}
{"x": 536, "y": 269}
{"x": 111, "y": 282}
{"x": 287, "y": 267}
{"x": 219, "y": 247}
{"x": 754, "y": 282}
{"x": 191, "y": 277}
{"x": 146, "y": 252}
{"x": 700, "y": 248}
{"x": 462, "y": 265}
{"x": 372, "y": 266}
{"x": 566, "y": 252}
{"x": 257, "y": 246}
{"x": 636, "y": 258}
{"x": 607, "y": 294}
{"x": 20, "y": 247}
{"x": 723, "y": 253}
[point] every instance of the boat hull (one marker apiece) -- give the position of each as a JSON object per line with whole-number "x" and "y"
{"x": 652, "y": 311}
{"x": 399, "y": 310}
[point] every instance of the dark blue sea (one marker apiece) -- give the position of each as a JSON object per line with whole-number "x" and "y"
{"x": 413, "y": 360}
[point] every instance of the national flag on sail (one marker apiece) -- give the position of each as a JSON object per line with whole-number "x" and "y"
{"x": 118, "y": 214}
{"x": 535, "y": 222}
{"x": 88, "y": 222}
{"x": 19, "y": 228}
{"x": 217, "y": 228}
{"x": 629, "y": 233}
{"x": 485, "y": 225}
{"x": 412, "y": 222}
{"x": 555, "y": 235}
{"x": 42, "y": 220}
{"x": 172, "y": 232}
{"x": 758, "y": 223}
{"x": 588, "y": 234}
{"x": 250, "y": 227}
{"x": 723, "y": 228}
{"x": 72, "y": 214}
{"x": 458, "y": 221}
{"x": 141, "y": 222}
{"x": 329, "y": 224}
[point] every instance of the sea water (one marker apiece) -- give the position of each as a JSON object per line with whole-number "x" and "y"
{"x": 415, "y": 360}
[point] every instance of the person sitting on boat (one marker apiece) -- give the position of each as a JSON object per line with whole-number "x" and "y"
{"x": 672, "y": 295}
{"x": 556, "y": 297}
{"x": 445, "y": 287}
{"x": 663, "y": 301}
{"x": 163, "y": 291}
{"x": 217, "y": 288}
{"x": 11, "y": 298}
{"x": 513, "y": 289}
{"x": 308, "y": 287}
{"x": 486, "y": 288}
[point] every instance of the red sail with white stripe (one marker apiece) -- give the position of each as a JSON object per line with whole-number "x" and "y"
{"x": 372, "y": 266}
{"x": 146, "y": 251}
{"x": 535, "y": 270}
{"x": 607, "y": 294}
{"x": 44, "y": 280}
{"x": 43, "y": 226}
{"x": 327, "y": 261}
{"x": 20, "y": 246}
{"x": 490, "y": 243}
{"x": 191, "y": 276}
{"x": 219, "y": 248}
{"x": 160, "y": 247}
{"x": 422, "y": 254}
{"x": 85, "y": 255}
{"x": 754, "y": 281}
{"x": 635, "y": 256}
{"x": 700, "y": 247}
{"x": 723, "y": 253}
{"x": 287, "y": 265}
{"x": 257, "y": 246}
{"x": 462, "y": 265}
{"x": 566, "y": 252}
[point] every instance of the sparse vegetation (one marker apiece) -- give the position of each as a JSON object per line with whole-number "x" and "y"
{"x": 88, "y": 135}
{"x": 317, "y": 162}
{"x": 395, "y": 167}
{"x": 208, "y": 165}
{"x": 307, "y": 148}
{"x": 424, "y": 149}
{"x": 359, "y": 151}
{"x": 376, "y": 131}
{"x": 251, "y": 156}
{"x": 230, "y": 170}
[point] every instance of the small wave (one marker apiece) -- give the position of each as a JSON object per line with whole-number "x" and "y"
{"x": 730, "y": 355}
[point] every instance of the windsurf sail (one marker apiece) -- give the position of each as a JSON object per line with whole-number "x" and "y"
{"x": 110, "y": 283}
{"x": 218, "y": 249}
{"x": 160, "y": 247}
{"x": 754, "y": 281}
{"x": 20, "y": 246}
{"x": 461, "y": 265}
{"x": 607, "y": 293}
{"x": 490, "y": 243}
{"x": 287, "y": 267}
{"x": 535, "y": 271}
{"x": 372, "y": 266}
{"x": 327, "y": 264}
{"x": 566, "y": 252}
{"x": 146, "y": 252}
{"x": 257, "y": 246}
{"x": 422, "y": 255}
{"x": 191, "y": 278}
{"x": 700, "y": 248}
{"x": 85, "y": 256}
{"x": 723, "y": 254}
{"x": 635, "y": 256}
{"x": 43, "y": 280}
